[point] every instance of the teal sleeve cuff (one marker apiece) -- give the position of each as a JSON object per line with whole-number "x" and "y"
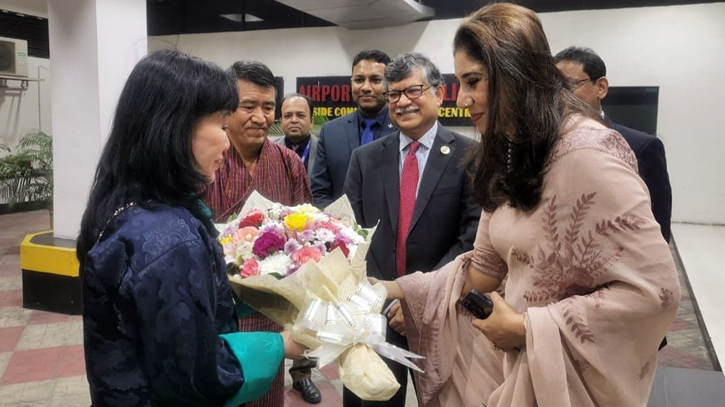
{"x": 259, "y": 354}
{"x": 243, "y": 310}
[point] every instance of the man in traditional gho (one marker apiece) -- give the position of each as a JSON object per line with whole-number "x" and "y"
{"x": 255, "y": 163}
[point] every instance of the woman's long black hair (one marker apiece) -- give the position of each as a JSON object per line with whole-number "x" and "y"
{"x": 148, "y": 158}
{"x": 528, "y": 100}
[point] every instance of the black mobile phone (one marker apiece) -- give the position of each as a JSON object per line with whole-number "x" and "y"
{"x": 477, "y": 304}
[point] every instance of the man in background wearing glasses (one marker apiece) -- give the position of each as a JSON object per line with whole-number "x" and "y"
{"x": 588, "y": 76}
{"x": 414, "y": 185}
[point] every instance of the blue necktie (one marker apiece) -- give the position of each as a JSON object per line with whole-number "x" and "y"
{"x": 367, "y": 134}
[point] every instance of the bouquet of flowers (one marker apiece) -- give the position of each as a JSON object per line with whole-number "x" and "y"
{"x": 278, "y": 240}
{"x": 305, "y": 269}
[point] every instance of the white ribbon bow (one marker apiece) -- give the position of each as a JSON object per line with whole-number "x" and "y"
{"x": 340, "y": 325}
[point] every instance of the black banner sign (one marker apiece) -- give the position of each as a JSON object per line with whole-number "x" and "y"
{"x": 333, "y": 98}
{"x": 449, "y": 114}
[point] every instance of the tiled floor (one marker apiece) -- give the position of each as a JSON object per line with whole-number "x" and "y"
{"x": 702, "y": 248}
{"x": 686, "y": 345}
{"x": 41, "y": 354}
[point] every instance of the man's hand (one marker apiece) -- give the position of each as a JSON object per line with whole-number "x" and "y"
{"x": 396, "y": 319}
{"x": 292, "y": 349}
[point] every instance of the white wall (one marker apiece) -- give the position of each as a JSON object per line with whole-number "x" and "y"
{"x": 681, "y": 49}
{"x": 95, "y": 44}
{"x": 21, "y": 111}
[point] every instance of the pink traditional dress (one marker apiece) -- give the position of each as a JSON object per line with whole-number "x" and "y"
{"x": 589, "y": 268}
{"x": 280, "y": 176}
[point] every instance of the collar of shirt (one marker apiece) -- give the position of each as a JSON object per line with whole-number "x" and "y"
{"x": 426, "y": 141}
{"x": 380, "y": 118}
{"x": 302, "y": 143}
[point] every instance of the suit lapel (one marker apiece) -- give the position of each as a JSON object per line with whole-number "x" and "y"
{"x": 352, "y": 133}
{"x": 388, "y": 126}
{"x": 434, "y": 168}
{"x": 311, "y": 155}
{"x": 390, "y": 176}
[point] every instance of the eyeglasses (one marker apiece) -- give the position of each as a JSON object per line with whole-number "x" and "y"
{"x": 411, "y": 92}
{"x": 575, "y": 84}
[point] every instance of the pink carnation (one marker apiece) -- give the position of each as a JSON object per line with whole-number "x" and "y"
{"x": 250, "y": 268}
{"x": 269, "y": 242}
{"x": 306, "y": 254}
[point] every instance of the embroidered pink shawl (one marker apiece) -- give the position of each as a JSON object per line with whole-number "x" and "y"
{"x": 589, "y": 267}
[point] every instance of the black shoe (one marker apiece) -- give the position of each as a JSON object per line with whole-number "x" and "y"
{"x": 310, "y": 392}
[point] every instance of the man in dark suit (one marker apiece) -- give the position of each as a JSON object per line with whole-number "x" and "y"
{"x": 415, "y": 184}
{"x": 587, "y": 73}
{"x": 296, "y": 123}
{"x": 342, "y": 135}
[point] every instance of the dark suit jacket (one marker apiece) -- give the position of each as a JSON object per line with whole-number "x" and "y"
{"x": 444, "y": 220}
{"x": 310, "y": 155}
{"x": 650, "y": 153}
{"x": 337, "y": 140}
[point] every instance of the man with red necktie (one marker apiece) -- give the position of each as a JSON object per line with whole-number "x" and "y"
{"x": 414, "y": 185}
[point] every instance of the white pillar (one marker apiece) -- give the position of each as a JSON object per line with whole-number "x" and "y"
{"x": 94, "y": 44}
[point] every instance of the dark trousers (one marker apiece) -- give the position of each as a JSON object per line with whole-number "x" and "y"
{"x": 302, "y": 369}
{"x": 349, "y": 399}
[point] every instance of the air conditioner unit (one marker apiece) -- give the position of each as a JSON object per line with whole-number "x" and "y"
{"x": 13, "y": 57}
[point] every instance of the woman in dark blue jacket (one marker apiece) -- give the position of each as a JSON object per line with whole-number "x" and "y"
{"x": 160, "y": 323}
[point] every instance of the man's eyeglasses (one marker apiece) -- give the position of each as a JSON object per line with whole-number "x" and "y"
{"x": 575, "y": 84}
{"x": 411, "y": 92}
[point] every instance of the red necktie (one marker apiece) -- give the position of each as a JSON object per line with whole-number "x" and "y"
{"x": 408, "y": 187}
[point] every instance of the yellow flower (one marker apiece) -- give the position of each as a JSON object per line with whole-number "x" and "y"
{"x": 225, "y": 240}
{"x": 296, "y": 221}
{"x": 306, "y": 208}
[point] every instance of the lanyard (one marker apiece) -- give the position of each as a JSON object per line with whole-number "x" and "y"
{"x": 307, "y": 150}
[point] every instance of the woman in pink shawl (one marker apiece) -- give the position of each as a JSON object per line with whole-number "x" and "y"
{"x": 590, "y": 285}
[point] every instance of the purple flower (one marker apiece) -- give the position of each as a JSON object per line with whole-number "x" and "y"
{"x": 292, "y": 246}
{"x": 344, "y": 238}
{"x": 306, "y": 235}
{"x": 269, "y": 228}
{"x": 267, "y": 243}
{"x": 320, "y": 246}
